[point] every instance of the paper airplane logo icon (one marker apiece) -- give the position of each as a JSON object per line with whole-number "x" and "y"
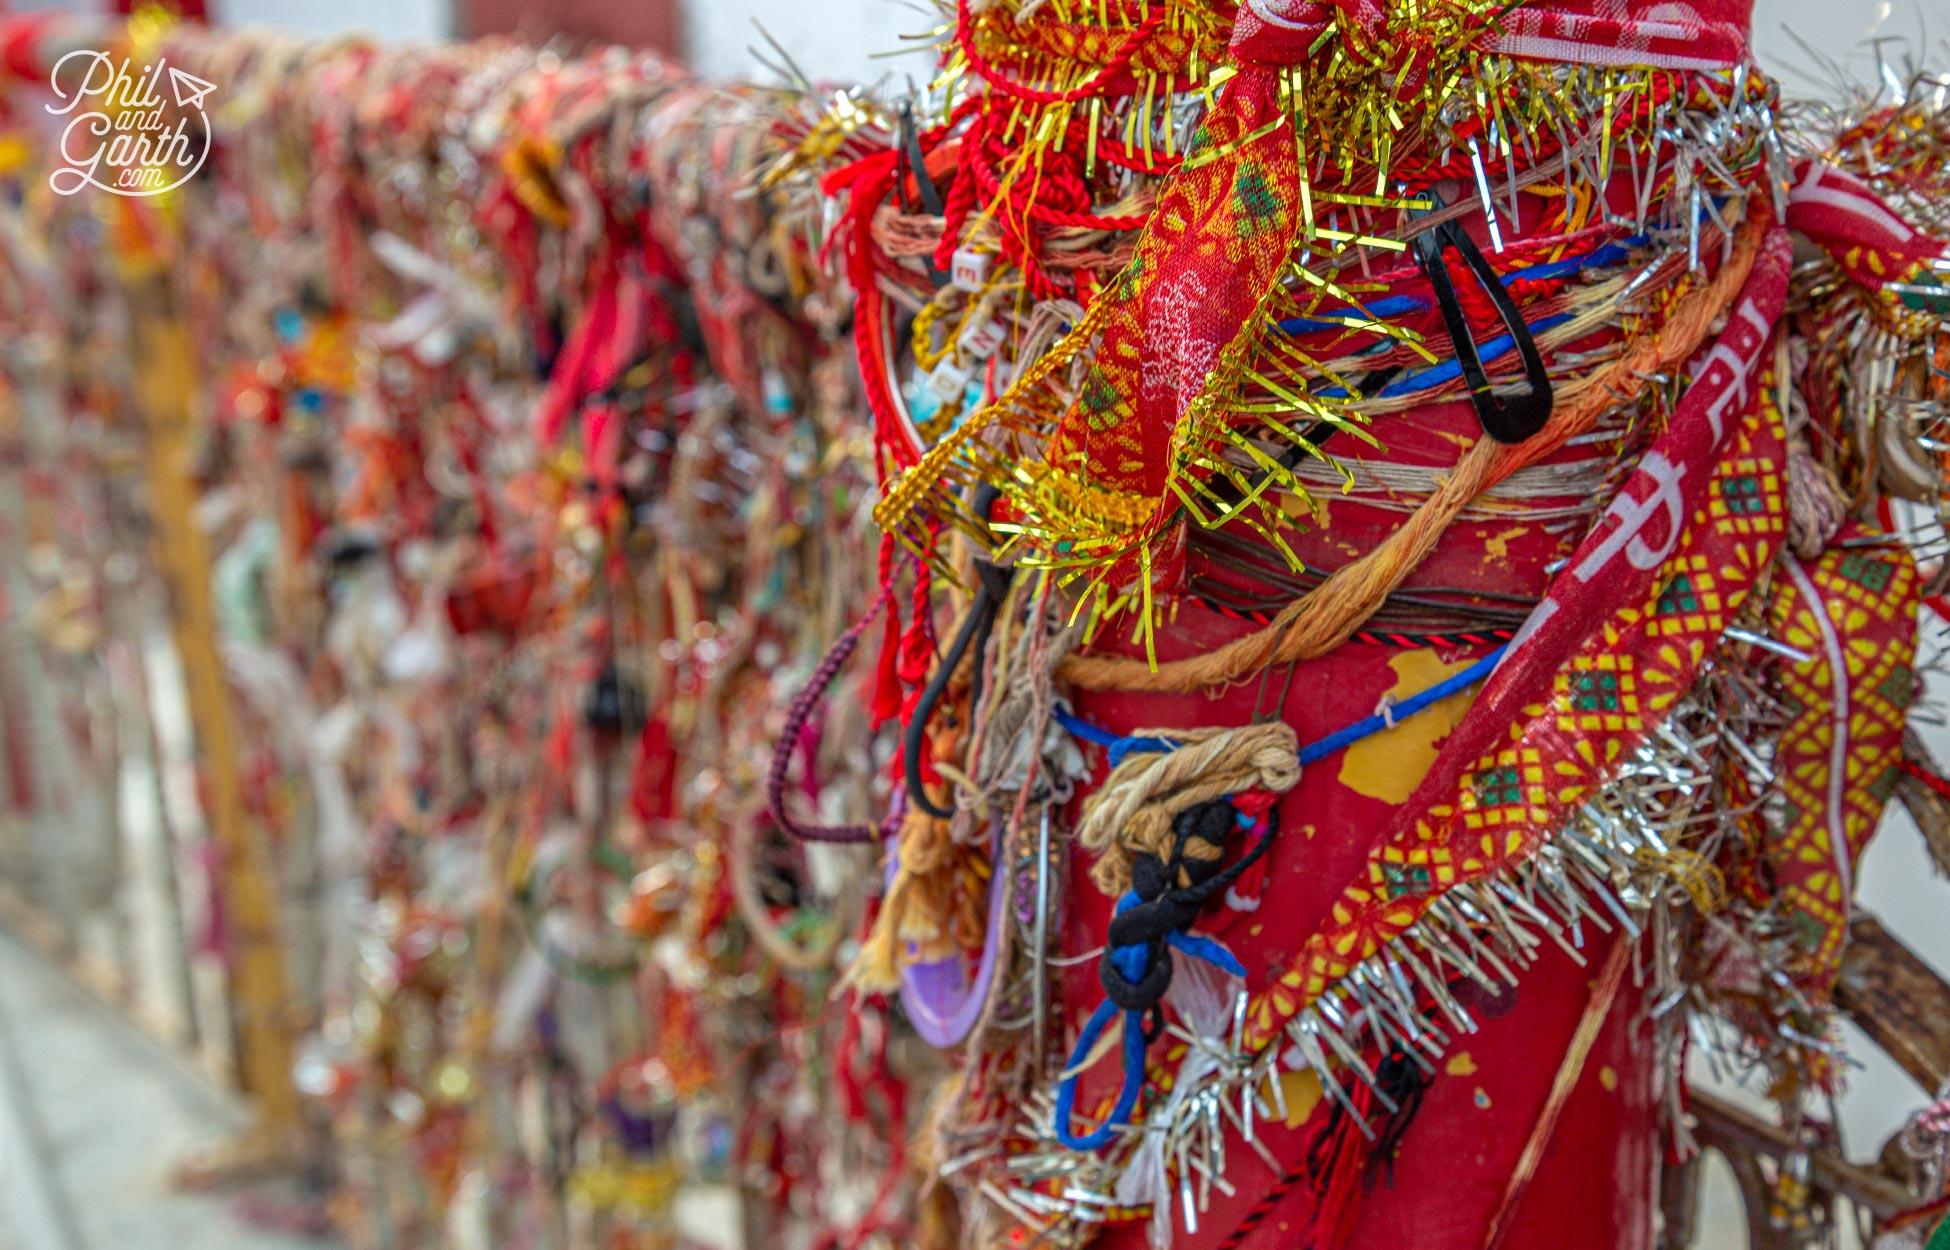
{"x": 189, "y": 89}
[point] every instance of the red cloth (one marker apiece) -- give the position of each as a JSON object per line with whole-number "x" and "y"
{"x": 1705, "y": 34}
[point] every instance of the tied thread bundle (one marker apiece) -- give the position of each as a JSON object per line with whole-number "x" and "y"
{"x": 1133, "y": 813}
{"x": 1161, "y": 826}
{"x": 1152, "y": 920}
{"x": 930, "y": 910}
{"x": 927, "y": 906}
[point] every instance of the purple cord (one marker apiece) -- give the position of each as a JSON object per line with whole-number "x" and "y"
{"x": 798, "y": 715}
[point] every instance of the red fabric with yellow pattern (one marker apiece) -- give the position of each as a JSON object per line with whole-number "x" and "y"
{"x": 1215, "y": 243}
{"x": 1169, "y": 329}
{"x": 1853, "y": 611}
{"x": 1846, "y": 217}
{"x": 1618, "y": 640}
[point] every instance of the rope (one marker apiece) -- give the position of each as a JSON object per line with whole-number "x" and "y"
{"x": 1020, "y": 701}
{"x": 1936, "y": 784}
{"x": 1817, "y": 506}
{"x": 1317, "y": 623}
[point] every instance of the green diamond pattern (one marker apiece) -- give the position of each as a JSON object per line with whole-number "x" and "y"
{"x": 1678, "y": 596}
{"x": 1866, "y": 571}
{"x": 1496, "y": 787}
{"x": 1741, "y": 493}
{"x": 1595, "y": 692}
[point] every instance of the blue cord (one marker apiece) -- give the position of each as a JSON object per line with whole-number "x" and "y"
{"x": 1132, "y": 962}
{"x": 1120, "y": 748}
{"x": 1321, "y": 748}
{"x": 1435, "y": 375}
{"x": 1066, "y": 1093}
{"x": 1333, "y": 318}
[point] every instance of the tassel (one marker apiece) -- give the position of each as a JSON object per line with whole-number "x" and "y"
{"x": 886, "y": 696}
{"x": 1340, "y": 1155}
{"x": 1337, "y": 1159}
{"x": 1343, "y": 1161}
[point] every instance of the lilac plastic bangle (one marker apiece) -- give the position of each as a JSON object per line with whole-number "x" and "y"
{"x": 937, "y": 995}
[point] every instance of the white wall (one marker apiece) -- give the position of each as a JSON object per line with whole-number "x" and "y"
{"x": 388, "y": 19}
{"x": 834, "y": 41}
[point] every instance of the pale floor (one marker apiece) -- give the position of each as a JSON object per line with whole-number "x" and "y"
{"x": 92, "y": 1117}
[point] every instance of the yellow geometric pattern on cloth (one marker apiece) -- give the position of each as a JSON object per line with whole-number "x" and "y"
{"x": 1836, "y": 790}
{"x": 1620, "y": 683}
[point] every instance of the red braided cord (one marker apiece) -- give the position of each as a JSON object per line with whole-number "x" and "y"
{"x": 1928, "y": 778}
{"x": 1066, "y": 178}
{"x": 961, "y": 196}
{"x": 1261, "y": 1209}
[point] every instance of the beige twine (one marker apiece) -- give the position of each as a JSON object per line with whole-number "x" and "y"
{"x": 1132, "y": 813}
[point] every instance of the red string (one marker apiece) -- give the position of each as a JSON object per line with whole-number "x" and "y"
{"x": 961, "y": 196}
{"x": 1338, "y": 1160}
{"x": 868, "y": 182}
{"x": 886, "y": 694}
{"x": 1928, "y": 778}
{"x": 879, "y": 1077}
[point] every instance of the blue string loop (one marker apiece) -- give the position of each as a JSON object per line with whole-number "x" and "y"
{"x": 1151, "y": 921}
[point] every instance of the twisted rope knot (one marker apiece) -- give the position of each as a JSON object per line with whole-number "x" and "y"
{"x": 1154, "y": 918}
{"x": 1134, "y": 811}
{"x": 1138, "y": 968}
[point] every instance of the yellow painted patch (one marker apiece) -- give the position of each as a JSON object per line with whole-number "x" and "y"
{"x": 1460, "y": 1064}
{"x": 1497, "y": 546}
{"x": 1390, "y": 764}
{"x": 1303, "y": 1094}
{"x": 1608, "y": 1078}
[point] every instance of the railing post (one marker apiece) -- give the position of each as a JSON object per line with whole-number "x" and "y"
{"x": 165, "y": 373}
